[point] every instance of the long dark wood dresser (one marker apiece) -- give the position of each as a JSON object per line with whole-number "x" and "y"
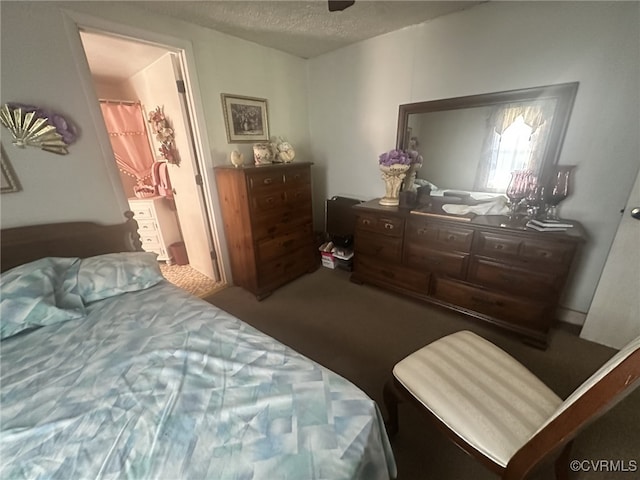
{"x": 510, "y": 276}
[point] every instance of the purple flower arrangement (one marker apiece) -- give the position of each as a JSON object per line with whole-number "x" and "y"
{"x": 394, "y": 157}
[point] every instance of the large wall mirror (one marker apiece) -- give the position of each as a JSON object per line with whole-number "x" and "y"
{"x": 473, "y": 143}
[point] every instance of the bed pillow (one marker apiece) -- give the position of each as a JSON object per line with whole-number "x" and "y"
{"x": 107, "y": 275}
{"x": 39, "y": 293}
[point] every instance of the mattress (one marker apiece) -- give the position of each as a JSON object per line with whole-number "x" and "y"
{"x": 157, "y": 383}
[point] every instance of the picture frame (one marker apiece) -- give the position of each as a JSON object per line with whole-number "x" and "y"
{"x": 246, "y": 118}
{"x": 9, "y": 181}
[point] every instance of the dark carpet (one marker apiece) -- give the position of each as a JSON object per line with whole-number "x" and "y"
{"x": 360, "y": 332}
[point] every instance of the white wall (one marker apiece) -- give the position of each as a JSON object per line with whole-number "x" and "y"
{"x": 355, "y": 92}
{"x": 38, "y": 67}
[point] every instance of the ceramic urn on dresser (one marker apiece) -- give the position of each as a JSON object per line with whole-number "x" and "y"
{"x": 506, "y": 275}
{"x": 268, "y": 223}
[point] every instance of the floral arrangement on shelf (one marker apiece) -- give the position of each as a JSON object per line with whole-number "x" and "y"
{"x": 164, "y": 134}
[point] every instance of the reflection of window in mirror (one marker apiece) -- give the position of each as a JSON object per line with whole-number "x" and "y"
{"x": 510, "y": 151}
{"x": 516, "y": 139}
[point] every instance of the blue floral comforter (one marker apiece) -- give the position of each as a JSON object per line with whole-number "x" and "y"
{"x": 160, "y": 384}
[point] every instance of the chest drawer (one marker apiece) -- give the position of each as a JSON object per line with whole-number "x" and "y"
{"x": 511, "y": 309}
{"x": 142, "y": 211}
{"x": 385, "y": 225}
{"x": 297, "y": 176}
{"x": 381, "y": 247}
{"x": 284, "y": 244}
{"x": 526, "y": 249}
{"x": 258, "y": 180}
{"x": 509, "y": 278}
{"x": 453, "y": 264}
{"x": 283, "y": 269}
{"x": 147, "y": 226}
{"x": 279, "y": 223}
{"x": 398, "y": 275}
{"x": 435, "y": 235}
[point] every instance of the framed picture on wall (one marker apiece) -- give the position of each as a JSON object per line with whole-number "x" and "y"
{"x": 246, "y": 119}
{"x": 9, "y": 182}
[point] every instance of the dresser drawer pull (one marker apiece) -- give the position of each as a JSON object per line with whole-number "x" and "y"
{"x": 498, "y": 246}
{"x": 267, "y": 181}
{"x": 484, "y": 301}
{"x": 388, "y": 226}
{"x": 366, "y": 221}
{"x": 421, "y": 231}
{"x": 451, "y": 238}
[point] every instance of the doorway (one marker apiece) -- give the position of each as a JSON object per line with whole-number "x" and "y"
{"x": 174, "y": 222}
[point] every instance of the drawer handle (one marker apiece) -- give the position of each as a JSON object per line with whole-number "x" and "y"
{"x": 544, "y": 254}
{"x": 366, "y": 221}
{"x": 388, "y": 226}
{"x": 268, "y": 181}
{"x": 270, "y": 200}
{"x": 498, "y": 246}
{"x": 422, "y": 231}
{"x": 451, "y": 238}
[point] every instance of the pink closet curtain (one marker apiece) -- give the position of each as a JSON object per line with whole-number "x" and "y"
{"x": 128, "y": 134}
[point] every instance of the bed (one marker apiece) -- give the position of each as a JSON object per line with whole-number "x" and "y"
{"x": 131, "y": 377}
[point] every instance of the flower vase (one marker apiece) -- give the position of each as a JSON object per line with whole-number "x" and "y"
{"x": 392, "y": 176}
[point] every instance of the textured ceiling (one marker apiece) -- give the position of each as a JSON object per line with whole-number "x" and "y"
{"x": 304, "y": 28}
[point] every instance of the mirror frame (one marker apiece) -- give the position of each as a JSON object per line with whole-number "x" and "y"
{"x": 564, "y": 94}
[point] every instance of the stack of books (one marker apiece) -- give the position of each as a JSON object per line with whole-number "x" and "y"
{"x": 549, "y": 225}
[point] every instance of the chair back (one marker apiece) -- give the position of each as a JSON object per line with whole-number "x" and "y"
{"x": 598, "y": 394}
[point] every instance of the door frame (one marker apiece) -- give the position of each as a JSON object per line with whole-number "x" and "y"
{"x": 74, "y": 22}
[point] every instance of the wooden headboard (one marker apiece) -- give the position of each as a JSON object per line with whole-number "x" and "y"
{"x": 21, "y": 245}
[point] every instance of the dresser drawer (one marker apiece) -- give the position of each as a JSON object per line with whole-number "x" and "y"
{"x": 284, "y": 244}
{"x": 147, "y": 226}
{"x": 511, "y": 309}
{"x": 379, "y": 246}
{"x": 265, "y": 180}
{"x": 510, "y": 278}
{"x": 439, "y": 236}
{"x": 281, "y": 270}
{"x": 298, "y": 176}
{"x": 526, "y": 249}
{"x": 453, "y": 264}
{"x": 142, "y": 211}
{"x": 282, "y": 222}
{"x": 386, "y": 225}
{"x": 379, "y": 272}
{"x": 150, "y": 238}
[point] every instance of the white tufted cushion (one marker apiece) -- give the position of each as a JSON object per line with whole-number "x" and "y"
{"x": 479, "y": 391}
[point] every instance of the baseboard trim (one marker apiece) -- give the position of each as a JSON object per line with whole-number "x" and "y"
{"x": 571, "y": 316}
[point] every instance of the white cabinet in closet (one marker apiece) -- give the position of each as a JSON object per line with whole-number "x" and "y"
{"x": 157, "y": 225}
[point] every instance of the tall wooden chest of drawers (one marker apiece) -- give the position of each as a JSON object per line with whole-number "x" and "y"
{"x": 510, "y": 276}
{"x": 268, "y": 223}
{"x": 157, "y": 225}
